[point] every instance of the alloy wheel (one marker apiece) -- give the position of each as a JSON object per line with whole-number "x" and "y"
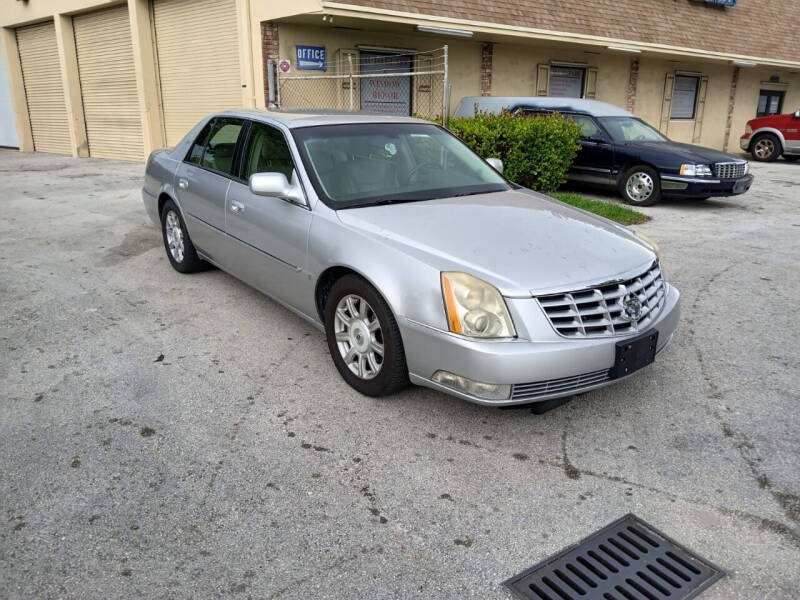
{"x": 359, "y": 337}
{"x": 764, "y": 148}
{"x": 640, "y": 186}
{"x": 174, "y": 236}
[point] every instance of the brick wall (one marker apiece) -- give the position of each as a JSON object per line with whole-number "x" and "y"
{"x": 270, "y": 50}
{"x": 731, "y": 104}
{"x": 633, "y": 80}
{"x": 487, "y": 52}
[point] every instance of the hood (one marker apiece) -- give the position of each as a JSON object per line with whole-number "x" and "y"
{"x": 521, "y": 242}
{"x": 689, "y": 153}
{"x": 765, "y": 121}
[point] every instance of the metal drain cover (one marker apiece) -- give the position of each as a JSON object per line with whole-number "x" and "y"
{"x": 626, "y": 560}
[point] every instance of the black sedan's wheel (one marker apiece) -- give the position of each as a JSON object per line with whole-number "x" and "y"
{"x": 765, "y": 147}
{"x": 640, "y": 186}
{"x": 363, "y": 338}
{"x": 180, "y": 250}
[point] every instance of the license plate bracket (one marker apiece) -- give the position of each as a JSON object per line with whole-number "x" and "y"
{"x": 635, "y": 353}
{"x": 740, "y": 186}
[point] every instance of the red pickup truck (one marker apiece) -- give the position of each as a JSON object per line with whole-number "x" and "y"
{"x": 766, "y": 138}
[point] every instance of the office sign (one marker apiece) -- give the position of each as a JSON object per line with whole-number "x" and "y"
{"x": 311, "y": 58}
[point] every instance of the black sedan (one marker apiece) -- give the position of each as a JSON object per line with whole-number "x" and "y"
{"x": 620, "y": 150}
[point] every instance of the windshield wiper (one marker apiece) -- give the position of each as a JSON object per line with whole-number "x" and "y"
{"x": 385, "y": 201}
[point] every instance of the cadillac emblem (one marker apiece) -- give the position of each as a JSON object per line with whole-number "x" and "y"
{"x": 631, "y": 307}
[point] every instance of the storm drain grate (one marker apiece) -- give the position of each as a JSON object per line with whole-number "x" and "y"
{"x": 627, "y": 560}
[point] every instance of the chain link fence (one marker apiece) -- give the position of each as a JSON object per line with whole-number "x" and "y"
{"x": 357, "y": 80}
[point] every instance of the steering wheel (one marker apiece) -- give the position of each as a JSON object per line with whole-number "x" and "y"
{"x": 413, "y": 170}
{"x": 639, "y": 137}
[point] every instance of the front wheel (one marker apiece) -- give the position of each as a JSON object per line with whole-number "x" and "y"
{"x": 640, "y": 186}
{"x": 363, "y": 338}
{"x": 765, "y": 147}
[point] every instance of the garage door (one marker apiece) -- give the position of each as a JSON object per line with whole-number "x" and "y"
{"x": 108, "y": 84}
{"x": 41, "y": 74}
{"x": 198, "y": 61}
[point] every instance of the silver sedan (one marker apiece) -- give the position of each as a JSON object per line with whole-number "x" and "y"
{"x": 418, "y": 259}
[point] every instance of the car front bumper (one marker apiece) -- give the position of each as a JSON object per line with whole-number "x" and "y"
{"x": 744, "y": 142}
{"x": 537, "y": 370}
{"x": 675, "y": 186}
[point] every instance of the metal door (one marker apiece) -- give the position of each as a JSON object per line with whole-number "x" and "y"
{"x": 108, "y": 84}
{"x": 44, "y": 92}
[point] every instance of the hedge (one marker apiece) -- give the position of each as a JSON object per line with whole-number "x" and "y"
{"x": 536, "y": 150}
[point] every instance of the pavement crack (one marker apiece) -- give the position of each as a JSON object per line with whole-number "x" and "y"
{"x": 569, "y": 469}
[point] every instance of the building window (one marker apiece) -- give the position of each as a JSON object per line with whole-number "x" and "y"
{"x": 566, "y": 82}
{"x": 684, "y": 97}
{"x": 770, "y": 102}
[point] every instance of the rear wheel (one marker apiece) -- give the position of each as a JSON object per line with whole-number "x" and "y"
{"x": 765, "y": 147}
{"x": 640, "y": 186}
{"x": 363, "y": 338}
{"x": 180, "y": 250}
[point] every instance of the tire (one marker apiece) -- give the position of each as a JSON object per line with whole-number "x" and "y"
{"x": 180, "y": 250}
{"x": 765, "y": 147}
{"x": 791, "y": 157}
{"x": 352, "y": 308}
{"x": 640, "y": 186}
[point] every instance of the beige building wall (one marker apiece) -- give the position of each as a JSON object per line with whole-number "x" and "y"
{"x": 514, "y": 69}
{"x": 650, "y": 98}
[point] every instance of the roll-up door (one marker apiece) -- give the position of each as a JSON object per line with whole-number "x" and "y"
{"x": 108, "y": 84}
{"x": 198, "y": 61}
{"x": 44, "y": 92}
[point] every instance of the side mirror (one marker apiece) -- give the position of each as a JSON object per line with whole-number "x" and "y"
{"x": 597, "y": 140}
{"x": 496, "y": 164}
{"x": 276, "y": 185}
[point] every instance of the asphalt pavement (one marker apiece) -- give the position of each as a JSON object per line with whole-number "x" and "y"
{"x": 173, "y": 436}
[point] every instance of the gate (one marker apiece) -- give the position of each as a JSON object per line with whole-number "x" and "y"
{"x": 382, "y": 82}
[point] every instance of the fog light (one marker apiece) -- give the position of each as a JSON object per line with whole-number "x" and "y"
{"x": 488, "y": 391}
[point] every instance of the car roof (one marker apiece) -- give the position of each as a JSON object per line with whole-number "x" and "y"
{"x": 311, "y": 119}
{"x": 497, "y": 104}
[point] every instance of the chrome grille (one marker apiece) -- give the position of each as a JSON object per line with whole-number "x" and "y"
{"x": 730, "y": 170}
{"x": 598, "y": 312}
{"x": 565, "y": 385}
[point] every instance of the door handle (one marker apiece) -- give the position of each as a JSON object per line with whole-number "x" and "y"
{"x": 237, "y": 207}
{"x": 183, "y": 183}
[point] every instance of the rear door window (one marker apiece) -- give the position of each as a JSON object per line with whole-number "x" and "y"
{"x": 215, "y": 147}
{"x": 589, "y": 128}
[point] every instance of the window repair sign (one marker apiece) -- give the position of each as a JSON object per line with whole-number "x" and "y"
{"x": 311, "y": 58}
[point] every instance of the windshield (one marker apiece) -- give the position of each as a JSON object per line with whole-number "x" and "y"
{"x": 365, "y": 164}
{"x": 630, "y": 129}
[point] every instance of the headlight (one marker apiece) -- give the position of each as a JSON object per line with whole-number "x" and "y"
{"x": 653, "y": 246}
{"x": 474, "y": 308}
{"x": 696, "y": 170}
{"x": 748, "y": 129}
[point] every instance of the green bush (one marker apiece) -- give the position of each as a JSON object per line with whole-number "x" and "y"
{"x": 536, "y": 150}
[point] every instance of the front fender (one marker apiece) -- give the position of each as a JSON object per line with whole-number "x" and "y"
{"x": 411, "y": 287}
{"x": 776, "y": 132}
